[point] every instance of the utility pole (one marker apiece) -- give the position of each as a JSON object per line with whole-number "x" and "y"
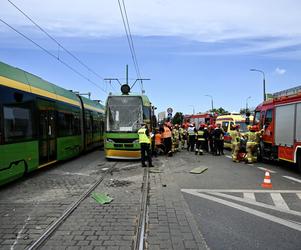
{"x": 125, "y": 88}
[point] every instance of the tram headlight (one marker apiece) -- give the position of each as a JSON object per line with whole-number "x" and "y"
{"x": 109, "y": 140}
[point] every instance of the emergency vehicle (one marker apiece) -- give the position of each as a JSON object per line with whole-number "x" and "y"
{"x": 228, "y": 121}
{"x": 198, "y": 119}
{"x": 280, "y": 120}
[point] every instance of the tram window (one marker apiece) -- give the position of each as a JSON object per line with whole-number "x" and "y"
{"x": 17, "y": 124}
{"x": 67, "y": 125}
{"x": 146, "y": 113}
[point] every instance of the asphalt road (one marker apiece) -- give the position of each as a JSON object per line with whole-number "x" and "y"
{"x": 225, "y": 205}
{"x": 231, "y": 208}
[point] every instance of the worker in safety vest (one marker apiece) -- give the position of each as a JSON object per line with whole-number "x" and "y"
{"x": 167, "y": 140}
{"x": 191, "y": 131}
{"x": 200, "y": 140}
{"x": 175, "y": 138}
{"x": 253, "y": 138}
{"x": 235, "y": 142}
{"x": 145, "y": 141}
{"x": 159, "y": 147}
{"x": 185, "y": 137}
{"x": 181, "y": 138}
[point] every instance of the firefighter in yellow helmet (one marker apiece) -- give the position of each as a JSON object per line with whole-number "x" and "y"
{"x": 252, "y": 137}
{"x": 200, "y": 140}
{"x": 235, "y": 142}
{"x": 175, "y": 138}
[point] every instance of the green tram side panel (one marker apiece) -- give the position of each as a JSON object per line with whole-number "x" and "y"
{"x": 68, "y": 147}
{"x": 24, "y": 152}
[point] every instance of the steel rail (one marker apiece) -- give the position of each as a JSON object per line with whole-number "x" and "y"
{"x": 43, "y": 238}
{"x": 140, "y": 237}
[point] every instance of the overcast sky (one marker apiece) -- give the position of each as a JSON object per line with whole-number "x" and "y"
{"x": 188, "y": 48}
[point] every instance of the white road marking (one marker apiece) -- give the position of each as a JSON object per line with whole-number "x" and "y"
{"x": 299, "y": 195}
{"x": 292, "y": 178}
{"x": 247, "y": 210}
{"x": 228, "y": 156}
{"x": 221, "y": 192}
{"x": 249, "y": 196}
{"x": 266, "y": 169}
{"x": 244, "y": 191}
{"x": 279, "y": 201}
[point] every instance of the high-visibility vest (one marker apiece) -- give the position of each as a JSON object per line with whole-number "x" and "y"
{"x": 251, "y": 136}
{"x": 166, "y": 133}
{"x": 235, "y": 135}
{"x": 191, "y": 131}
{"x": 158, "y": 139}
{"x": 143, "y": 138}
{"x": 200, "y": 135}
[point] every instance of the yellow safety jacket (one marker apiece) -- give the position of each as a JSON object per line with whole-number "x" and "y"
{"x": 143, "y": 138}
{"x": 251, "y": 136}
{"x": 235, "y": 135}
{"x": 200, "y": 135}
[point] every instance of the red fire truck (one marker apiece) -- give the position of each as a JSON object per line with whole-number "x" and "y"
{"x": 207, "y": 118}
{"x": 280, "y": 119}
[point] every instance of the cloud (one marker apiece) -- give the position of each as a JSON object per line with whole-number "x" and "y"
{"x": 201, "y": 21}
{"x": 280, "y": 71}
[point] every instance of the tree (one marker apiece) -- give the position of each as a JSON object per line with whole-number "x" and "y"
{"x": 178, "y": 118}
{"x": 219, "y": 111}
{"x": 243, "y": 111}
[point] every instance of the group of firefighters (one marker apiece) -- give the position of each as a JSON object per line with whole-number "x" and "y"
{"x": 169, "y": 139}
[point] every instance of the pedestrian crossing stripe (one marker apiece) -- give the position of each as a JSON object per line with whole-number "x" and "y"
{"x": 249, "y": 197}
{"x": 212, "y": 197}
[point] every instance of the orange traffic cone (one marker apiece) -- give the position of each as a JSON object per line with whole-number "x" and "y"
{"x": 267, "y": 183}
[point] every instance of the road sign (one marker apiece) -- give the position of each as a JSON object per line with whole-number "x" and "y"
{"x": 169, "y": 115}
{"x": 169, "y": 110}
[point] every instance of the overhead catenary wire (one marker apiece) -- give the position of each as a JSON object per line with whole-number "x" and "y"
{"x": 54, "y": 56}
{"x": 54, "y": 40}
{"x": 129, "y": 37}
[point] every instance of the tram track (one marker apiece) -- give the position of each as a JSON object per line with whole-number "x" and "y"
{"x": 140, "y": 241}
{"x": 56, "y": 224}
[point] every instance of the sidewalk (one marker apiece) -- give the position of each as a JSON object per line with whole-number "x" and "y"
{"x": 171, "y": 225}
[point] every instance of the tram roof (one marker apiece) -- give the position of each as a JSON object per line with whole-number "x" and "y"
{"x": 22, "y": 80}
{"x": 94, "y": 104}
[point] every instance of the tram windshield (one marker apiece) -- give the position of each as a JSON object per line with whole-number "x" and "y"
{"x": 124, "y": 113}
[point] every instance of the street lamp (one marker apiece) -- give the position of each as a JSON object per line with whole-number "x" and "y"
{"x": 211, "y": 102}
{"x": 192, "y": 108}
{"x": 264, "y": 97}
{"x": 247, "y": 103}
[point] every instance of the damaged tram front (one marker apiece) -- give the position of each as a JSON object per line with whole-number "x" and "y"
{"x": 124, "y": 115}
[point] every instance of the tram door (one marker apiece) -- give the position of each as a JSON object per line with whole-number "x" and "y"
{"x": 47, "y": 133}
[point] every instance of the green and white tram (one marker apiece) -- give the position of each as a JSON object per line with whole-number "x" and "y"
{"x": 42, "y": 123}
{"x": 124, "y": 115}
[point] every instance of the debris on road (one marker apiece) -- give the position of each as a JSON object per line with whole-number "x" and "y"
{"x": 155, "y": 170}
{"x": 198, "y": 170}
{"x": 118, "y": 183}
{"x": 101, "y": 198}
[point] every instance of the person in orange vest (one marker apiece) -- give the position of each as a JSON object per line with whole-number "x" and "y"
{"x": 166, "y": 136}
{"x": 145, "y": 141}
{"x": 159, "y": 147}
